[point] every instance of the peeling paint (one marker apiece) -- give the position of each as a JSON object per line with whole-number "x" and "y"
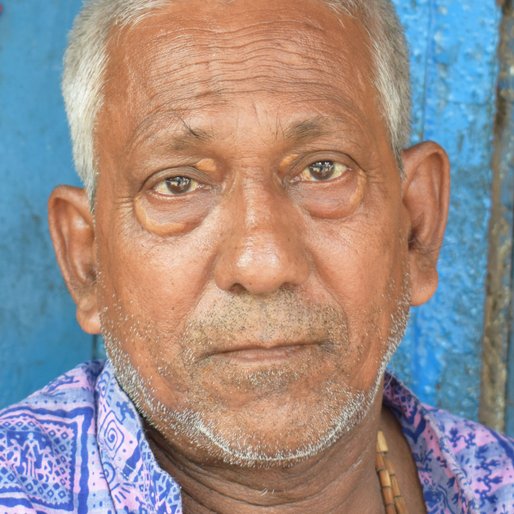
{"x": 40, "y": 337}
{"x": 454, "y": 81}
{"x": 495, "y": 395}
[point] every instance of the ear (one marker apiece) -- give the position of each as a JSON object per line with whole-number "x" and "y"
{"x": 426, "y": 196}
{"x": 73, "y": 235}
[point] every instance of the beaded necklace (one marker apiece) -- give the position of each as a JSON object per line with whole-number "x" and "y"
{"x": 394, "y": 502}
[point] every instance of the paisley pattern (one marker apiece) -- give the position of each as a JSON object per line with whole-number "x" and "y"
{"x": 463, "y": 467}
{"x": 78, "y": 445}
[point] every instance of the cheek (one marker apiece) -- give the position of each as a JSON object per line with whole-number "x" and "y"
{"x": 362, "y": 265}
{"x": 357, "y": 260}
{"x": 147, "y": 292}
{"x": 148, "y": 289}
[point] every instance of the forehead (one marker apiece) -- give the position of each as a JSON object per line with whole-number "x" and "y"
{"x": 194, "y": 58}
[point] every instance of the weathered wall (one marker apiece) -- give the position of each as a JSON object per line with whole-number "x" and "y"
{"x": 454, "y": 55}
{"x": 496, "y": 407}
{"x": 454, "y": 61}
{"x": 39, "y": 336}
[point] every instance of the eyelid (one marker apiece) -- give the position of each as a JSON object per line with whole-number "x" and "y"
{"x": 308, "y": 178}
{"x": 195, "y": 184}
{"x": 299, "y": 165}
{"x": 299, "y": 162}
{"x": 189, "y": 172}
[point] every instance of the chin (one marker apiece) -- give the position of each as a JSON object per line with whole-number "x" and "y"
{"x": 267, "y": 434}
{"x": 266, "y": 420}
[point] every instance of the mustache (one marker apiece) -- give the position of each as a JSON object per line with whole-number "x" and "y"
{"x": 282, "y": 319}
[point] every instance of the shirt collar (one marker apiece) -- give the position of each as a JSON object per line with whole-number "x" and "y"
{"x": 135, "y": 479}
{"x": 445, "y": 483}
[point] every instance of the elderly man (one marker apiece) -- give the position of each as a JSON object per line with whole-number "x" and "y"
{"x": 250, "y": 238}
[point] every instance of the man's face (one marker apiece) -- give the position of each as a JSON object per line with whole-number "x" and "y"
{"x": 251, "y": 243}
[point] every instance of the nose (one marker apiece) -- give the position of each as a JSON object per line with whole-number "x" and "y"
{"x": 263, "y": 250}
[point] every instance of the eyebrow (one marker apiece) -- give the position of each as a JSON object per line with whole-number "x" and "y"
{"x": 184, "y": 135}
{"x": 188, "y": 136}
{"x": 306, "y": 129}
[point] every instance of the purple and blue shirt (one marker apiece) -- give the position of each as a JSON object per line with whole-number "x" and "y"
{"x": 78, "y": 445}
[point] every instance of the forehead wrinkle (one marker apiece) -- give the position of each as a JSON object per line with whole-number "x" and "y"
{"x": 217, "y": 26}
{"x": 188, "y": 86}
{"x": 210, "y": 64}
{"x": 188, "y": 35}
{"x": 179, "y": 97}
{"x": 208, "y": 56}
{"x": 210, "y": 48}
{"x": 182, "y": 131}
{"x": 211, "y": 73}
{"x": 203, "y": 67}
{"x": 180, "y": 30}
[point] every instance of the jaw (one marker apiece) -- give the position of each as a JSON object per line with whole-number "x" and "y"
{"x": 272, "y": 419}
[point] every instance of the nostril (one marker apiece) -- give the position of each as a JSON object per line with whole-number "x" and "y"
{"x": 238, "y": 289}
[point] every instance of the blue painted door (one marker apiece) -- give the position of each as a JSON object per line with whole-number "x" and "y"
{"x": 454, "y": 59}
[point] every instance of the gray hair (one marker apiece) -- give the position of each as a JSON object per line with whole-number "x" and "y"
{"x": 86, "y": 59}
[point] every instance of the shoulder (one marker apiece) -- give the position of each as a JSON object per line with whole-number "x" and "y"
{"x": 461, "y": 464}
{"x": 481, "y": 458}
{"x": 43, "y": 440}
{"x": 461, "y": 435}
{"x": 65, "y": 398}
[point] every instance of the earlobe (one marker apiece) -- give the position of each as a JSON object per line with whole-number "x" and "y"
{"x": 426, "y": 196}
{"x": 73, "y": 236}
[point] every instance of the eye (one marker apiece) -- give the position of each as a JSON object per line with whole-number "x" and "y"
{"x": 323, "y": 171}
{"x": 175, "y": 186}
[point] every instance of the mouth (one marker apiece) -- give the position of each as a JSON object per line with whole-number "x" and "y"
{"x": 262, "y": 354}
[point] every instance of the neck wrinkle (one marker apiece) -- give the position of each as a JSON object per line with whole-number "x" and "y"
{"x": 342, "y": 476}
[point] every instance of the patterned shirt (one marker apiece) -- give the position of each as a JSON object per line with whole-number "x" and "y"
{"x": 78, "y": 445}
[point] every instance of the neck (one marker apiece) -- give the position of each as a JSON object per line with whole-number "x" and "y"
{"x": 341, "y": 479}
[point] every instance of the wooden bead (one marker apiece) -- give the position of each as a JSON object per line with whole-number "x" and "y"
{"x": 394, "y": 502}
{"x": 379, "y": 462}
{"x": 387, "y": 494}
{"x": 401, "y": 506}
{"x": 385, "y": 479}
{"x": 381, "y": 442}
{"x": 395, "y": 486}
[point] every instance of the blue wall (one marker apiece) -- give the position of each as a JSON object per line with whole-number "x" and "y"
{"x": 39, "y": 336}
{"x": 453, "y": 53}
{"x": 454, "y": 62}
